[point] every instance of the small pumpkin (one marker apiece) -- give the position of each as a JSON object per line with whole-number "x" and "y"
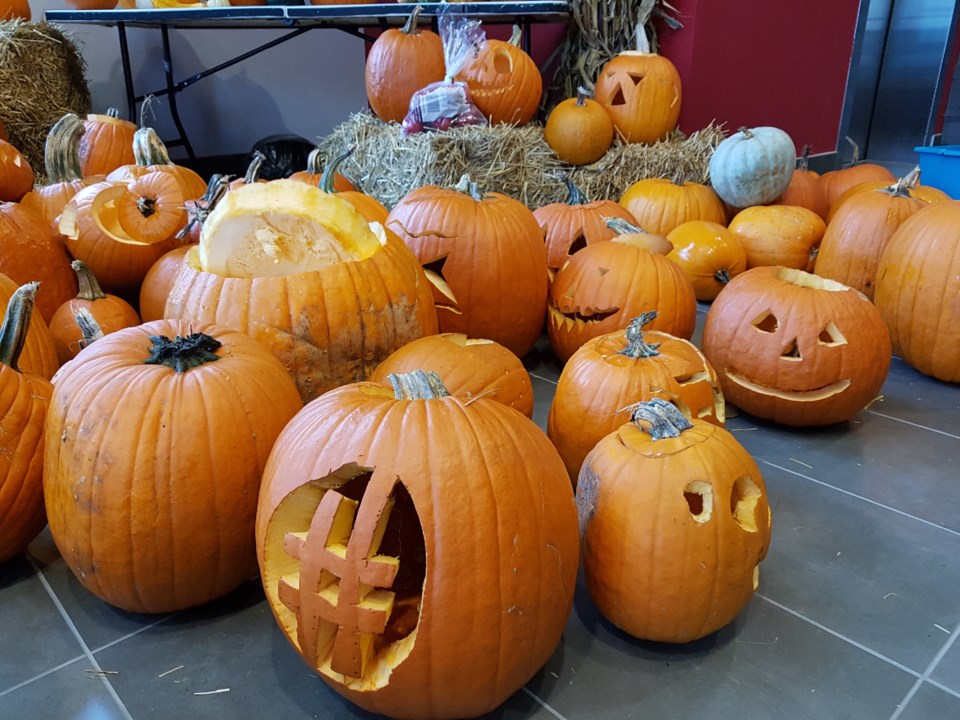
{"x": 157, "y": 283}
{"x": 579, "y": 129}
{"x": 674, "y": 522}
{"x": 641, "y": 91}
{"x": 16, "y": 175}
{"x": 796, "y": 348}
{"x": 660, "y": 205}
{"x": 610, "y": 372}
{"x": 107, "y": 143}
{"x": 805, "y": 188}
{"x": 413, "y": 525}
{"x": 753, "y": 166}
{"x": 176, "y": 531}
{"x": 786, "y": 235}
{"x": 709, "y": 254}
{"x": 572, "y": 225}
{"x": 25, "y": 398}
{"x": 504, "y": 81}
{"x": 604, "y": 286}
{"x": 469, "y": 368}
{"x": 110, "y": 313}
{"x": 400, "y": 62}
{"x": 836, "y": 182}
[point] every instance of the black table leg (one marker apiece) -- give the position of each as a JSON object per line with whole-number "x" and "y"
{"x": 127, "y": 74}
{"x": 172, "y": 92}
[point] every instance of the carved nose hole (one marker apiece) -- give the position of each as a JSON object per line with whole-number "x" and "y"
{"x": 832, "y": 336}
{"x": 618, "y": 98}
{"x": 743, "y": 503}
{"x": 579, "y": 243}
{"x": 766, "y": 322}
{"x": 792, "y": 353}
{"x": 699, "y": 497}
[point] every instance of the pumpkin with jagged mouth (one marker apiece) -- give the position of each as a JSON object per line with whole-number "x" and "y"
{"x": 302, "y": 272}
{"x": 796, "y": 348}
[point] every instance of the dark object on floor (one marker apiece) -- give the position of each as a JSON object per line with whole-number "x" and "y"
{"x": 285, "y": 154}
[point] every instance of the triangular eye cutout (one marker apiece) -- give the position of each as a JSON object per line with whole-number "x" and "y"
{"x": 766, "y": 322}
{"x": 832, "y": 336}
{"x": 579, "y": 243}
{"x": 636, "y": 77}
{"x": 618, "y": 98}
{"x": 434, "y": 272}
{"x": 792, "y": 353}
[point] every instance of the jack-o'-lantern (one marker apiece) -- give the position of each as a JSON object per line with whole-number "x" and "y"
{"x": 376, "y": 556}
{"x": 674, "y": 521}
{"x": 796, "y": 348}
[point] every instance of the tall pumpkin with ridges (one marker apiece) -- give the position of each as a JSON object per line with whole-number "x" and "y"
{"x": 204, "y": 404}
{"x": 344, "y": 479}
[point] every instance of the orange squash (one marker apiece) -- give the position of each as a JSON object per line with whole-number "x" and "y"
{"x": 660, "y": 205}
{"x": 107, "y": 143}
{"x": 709, "y": 254}
{"x": 805, "y": 188}
{"x": 786, "y": 235}
{"x": 16, "y": 175}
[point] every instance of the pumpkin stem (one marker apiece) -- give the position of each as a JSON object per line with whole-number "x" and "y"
{"x": 466, "y": 185}
{"x": 516, "y": 36}
{"x": 89, "y": 287}
{"x": 182, "y": 353}
{"x": 330, "y": 172}
{"x": 16, "y": 323}
{"x": 417, "y": 385}
{"x": 903, "y": 186}
{"x": 746, "y": 133}
{"x": 576, "y": 196}
{"x": 199, "y": 209}
{"x": 643, "y": 42}
{"x": 663, "y": 418}
{"x": 855, "y": 158}
{"x": 722, "y": 275}
{"x": 148, "y": 148}
{"x": 410, "y": 26}
{"x": 583, "y": 95}
{"x": 90, "y": 330}
{"x": 61, "y": 153}
{"x": 147, "y": 206}
{"x": 622, "y": 227}
{"x": 636, "y": 346}
{"x": 253, "y": 169}
{"x": 804, "y": 163}
{"x": 314, "y": 160}
{"x": 113, "y": 112}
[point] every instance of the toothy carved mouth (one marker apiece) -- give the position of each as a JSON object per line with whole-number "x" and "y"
{"x": 580, "y": 316}
{"x": 492, "y": 92}
{"x": 822, "y": 393}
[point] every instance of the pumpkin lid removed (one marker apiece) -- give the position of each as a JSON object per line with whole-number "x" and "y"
{"x": 283, "y": 228}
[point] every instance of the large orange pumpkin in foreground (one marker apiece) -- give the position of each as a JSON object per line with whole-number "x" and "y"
{"x": 177, "y": 530}
{"x": 796, "y": 348}
{"x": 674, "y": 521}
{"x": 421, "y": 579}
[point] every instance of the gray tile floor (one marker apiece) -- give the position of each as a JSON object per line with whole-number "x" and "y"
{"x": 857, "y": 615}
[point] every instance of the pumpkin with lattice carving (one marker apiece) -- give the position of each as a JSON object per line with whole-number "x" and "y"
{"x": 674, "y": 521}
{"x": 391, "y": 520}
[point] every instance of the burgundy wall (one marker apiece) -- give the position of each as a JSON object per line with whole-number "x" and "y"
{"x": 764, "y": 62}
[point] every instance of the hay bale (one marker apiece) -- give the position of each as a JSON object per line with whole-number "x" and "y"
{"x": 515, "y": 161}
{"x": 41, "y": 79}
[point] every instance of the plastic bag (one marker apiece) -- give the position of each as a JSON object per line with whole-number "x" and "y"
{"x": 446, "y": 104}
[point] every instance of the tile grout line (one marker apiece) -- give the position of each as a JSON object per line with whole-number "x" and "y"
{"x": 913, "y": 424}
{"x": 927, "y": 673}
{"x": 861, "y": 497}
{"x": 76, "y": 633}
{"x": 839, "y": 636}
{"x": 132, "y": 634}
{"x": 52, "y": 670}
{"x": 542, "y": 703}
{"x": 947, "y": 690}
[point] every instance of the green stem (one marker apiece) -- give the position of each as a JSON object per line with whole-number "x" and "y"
{"x": 636, "y": 346}
{"x": 746, "y": 133}
{"x": 576, "y": 195}
{"x": 804, "y": 163}
{"x": 903, "y": 186}
{"x": 418, "y": 385}
{"x": 16, "y": 324}
{"x": 623, "y": 227}
{"x": 663, "y": 418}
{"x": 89, "y": 287}
{"x": 61, "y": 153}
{"x": 330, "y": 172}
{"x": 199, "y": 210}
{"x": 516, "y": 36}
{"x": 466, "y": 185}
{"x": 722, "y": 275}
{"x": 253, "y": 169}
{"x": 148, "y": 148}
{"x": 410, "y": 26}
{"x": 313, "y": 162}
{"x": 90, "y": 330}
{"x": 182, "y": 353}
{"x": 582, "y": 95}
{"x": 113, "y": 112}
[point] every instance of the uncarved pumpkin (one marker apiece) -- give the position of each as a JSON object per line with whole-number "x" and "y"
{"x": 786, "y": 235}
{"x": 107, "y": 143}
{"x": 753, "y": 166}
{"x": 579, "y": 129}
{"x": 709, "y": 254}
{"x": 660, "y": 205}
{"x": 16, "y": 175}
{"x": 805, "y": 188}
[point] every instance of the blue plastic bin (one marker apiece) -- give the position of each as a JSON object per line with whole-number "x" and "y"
{"x": 940, "y": 167}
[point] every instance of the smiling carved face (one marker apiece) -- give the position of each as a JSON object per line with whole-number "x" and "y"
{"x": 796, "y": 348}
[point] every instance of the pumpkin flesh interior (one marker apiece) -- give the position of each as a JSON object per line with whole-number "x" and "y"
{"x": 397, "y": 544}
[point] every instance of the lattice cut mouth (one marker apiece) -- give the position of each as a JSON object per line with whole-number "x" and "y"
{"x": 802, "y": 396}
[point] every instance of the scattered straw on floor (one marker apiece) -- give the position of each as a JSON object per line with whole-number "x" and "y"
{"x": 515, "y": 161}
{"x": 41, "y": 79}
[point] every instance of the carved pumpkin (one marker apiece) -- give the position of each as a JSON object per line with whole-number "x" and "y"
{"x": 572, "y": 225}
{"x": 176, "y": 531}
{"x": 400, "y": 62}
{"x": 485, "y": 257}
{"x": 25, "y": 398}
{"x": 851, "y": 246}
{"x": 302, "y": 272}
{"x": 38, "y": 356}
{"x": 606, "y": 285}
{"x": 674, "y": 521}
{"x": 110, "y": 312}
{"x": 615, "y": 370}
{"x": 641, "y": 92}
{"x": 796, "y": 348}
{"x": 785, "y": 235}
{"x": 660, "y": 205}
{"x": 753, "y": 166}
{"x": 469, "y": 368}
{"x": 918, "y": 288}
{"x": 375, "y": 552}
{"x": 107, "y": 143}
{"x": 709, "y": 254}
{"x": 579, "y": 129}
{"x": 805, "y": 188}
{"x": 504, "y": 81}
{"x": 30, "y": 251}
{"x": 16, "y": 175}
